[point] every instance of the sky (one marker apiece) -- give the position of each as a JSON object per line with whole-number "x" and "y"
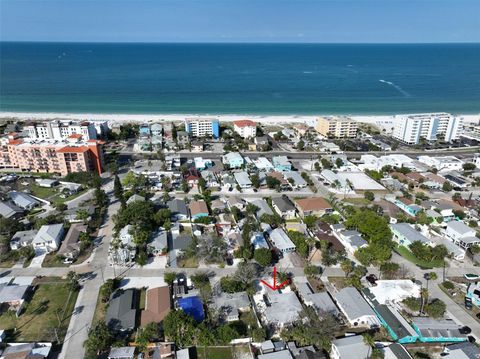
{"x": 322, "y": 21}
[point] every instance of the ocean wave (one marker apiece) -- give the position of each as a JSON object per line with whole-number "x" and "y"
{"x": 396, "y": 87}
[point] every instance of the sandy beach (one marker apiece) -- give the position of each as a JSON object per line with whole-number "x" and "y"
{"x": 148, "y": 118}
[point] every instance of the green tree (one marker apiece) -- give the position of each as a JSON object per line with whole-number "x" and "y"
{"x": 179, "y": 327}
{"x": 347, "y": 266}
{"x": 272, "y": 182}
{"x": 145, "y": 336}
{"x": 447, "y": 186}
{"x": 369, "y": 196}
{"x": 255, "y": 179}
{"x": 117, "y": 187}
{"x": 436, "y": 308}
{"x": 310, "y": 221}
{"x": 311, "y": 270}
{"x": 73, "y": 281}
{"x": 169, "y": 277}
{"x": 263, "y": 256}
{"x": 389, "y": 270}
{"x": 107, "y": 289}
{"x": 98, "y": 341}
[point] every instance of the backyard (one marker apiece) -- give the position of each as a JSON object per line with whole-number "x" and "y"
{"x": 227, "y": 352}
{"x": 49, "y": 309}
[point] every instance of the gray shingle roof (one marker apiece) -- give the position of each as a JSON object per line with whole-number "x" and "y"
{"x": 8, "y": 209}
{"x": 121, "y": 312}
{"x": 283, "y": 203}
{"x": 352, "y": 303}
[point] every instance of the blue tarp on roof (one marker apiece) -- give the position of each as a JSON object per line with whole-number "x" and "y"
{"x": 193, "y": 306}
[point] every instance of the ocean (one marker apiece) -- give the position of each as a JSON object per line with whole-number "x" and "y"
{"x": 260, "y": 79}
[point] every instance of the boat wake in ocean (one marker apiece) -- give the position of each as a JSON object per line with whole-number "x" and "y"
{"x": 398, "y": 88}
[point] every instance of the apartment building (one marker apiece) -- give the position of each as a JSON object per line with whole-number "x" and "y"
{"x": 200, "y": 127}
{"x": 60, "y": 130}
{"x": 337, "y": 127}
{"x": 245, "y": 128}
{"x": 43, "y": 156}
{"x": 429, "y": 126}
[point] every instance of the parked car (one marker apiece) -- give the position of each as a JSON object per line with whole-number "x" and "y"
{"x": 372, "y": 279}
{"x": 465, "y": 330}
{"x": 468, "y": 303}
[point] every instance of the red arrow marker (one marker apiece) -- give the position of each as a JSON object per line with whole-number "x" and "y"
{"x": 275, "y": 286}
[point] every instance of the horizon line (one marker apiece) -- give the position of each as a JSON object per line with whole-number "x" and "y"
{"x": 239, "y": 42}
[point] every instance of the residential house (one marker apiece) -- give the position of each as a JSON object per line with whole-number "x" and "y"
{"x": 122, "y": 353}
{"x": 48, "y": 237}
{"x": 355, "y": 308}
{"x": 284, "y": 207}
{"x": 198, "y": 209}
{"x": 432, "y": 330}
{"x": 281, "y": 241}
{"x": 202, "y": 164}
{"x": 122, "y": 311}
{"x": 316, "y": 206}
{"x": 321, "y": 302}
{"x": 263, "y": 207}
{"x": 123, "y": 250}
{"x": 13, "y": 294}
{"x": 352, "y": 240}
{"x": 282, "y": 354}
{"x": 158, "y": 244}
{"x": 396, "y": 351}
{"x": 353, "y": 347}
{"x": 177, "y": 244}
{"x": 281, "y": 163}
{"x": 404, "y": 234}
{"x": 178, "y": 209}
{"x": 191, "y": 177}
{"x": 144, "y": 130}
{"x": 157, "y": 305}
{"x": 461, "y": 234}
{"x": 295, "y": 179}
{"x": 284, "y": 307}
{"x": 22, "y": 239}
{"x": 135, "y": 198}
{"x": 408, "y": 206}
{"x": 263, "y": 164}
{"x": 463, "y": 350}
{"x": 236, "y": 202}
{"x": 210, "y": 178}
{"x": 23, "y": 200}
{"x": 70, "y": 247}
{"x": 243, "y": 179}
{"x": 26, "y": 351}
{"x": 233, "y": 160}
{"x": 230, "y": 305}
{"x": 10, "y": 210}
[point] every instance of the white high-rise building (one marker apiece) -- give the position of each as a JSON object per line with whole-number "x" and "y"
{"x": 411, "y": 128}
{"x": 245, "y": 128}
{"x": 200, "y": 127}
{"x": 60, "y": 130}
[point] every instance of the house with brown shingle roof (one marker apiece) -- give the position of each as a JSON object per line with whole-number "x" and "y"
{"x": 70, "y": 247}
{"x": 198, "y": 209}
{"x": 157, "y": 305}
{"x": 316, "y": 206}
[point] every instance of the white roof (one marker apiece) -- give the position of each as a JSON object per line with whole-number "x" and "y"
{"x": 280, "y": 239}
{"x": 297, "y": 178}
{"x": 459, "y": 227}
{"x": 394, "y": 290}
{"x": 360, "y": 181}
{"x": 242, "y": 178}
{"x": 47, "y": 233}
{"x": 262, "y": 163}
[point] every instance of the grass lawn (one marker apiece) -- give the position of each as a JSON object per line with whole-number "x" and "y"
{"x": 52, "y": 260}
{"x": 7, "y": 263}
{"x": 42, "y": 192}
{"x": 357, "y": 201}
{"x": 214, "y": 352}
{"x": 143, "y": 297}
{"x": 338, "y": 282}
{"x": 50, "y": 307}
{"x": 405, "y": 253}
{"x": 188, "y": 262}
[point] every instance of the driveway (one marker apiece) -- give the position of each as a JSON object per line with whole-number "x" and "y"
{"x": 38, "y": 259}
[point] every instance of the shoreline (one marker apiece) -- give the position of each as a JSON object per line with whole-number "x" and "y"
{"x": 149, "y": 118}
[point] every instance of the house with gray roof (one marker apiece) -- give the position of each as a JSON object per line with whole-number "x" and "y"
{"x": 122, "y": 311}
{"x": 282, "y": 241}
{"x": 10, "y": 210}
{"x": 70, "y": 247}
{"x": 464, "y": 350}
{"x": 13, "y": 295}
{"x": 122, "y": 353}
{"x": 243, "y": 180}
{"x": 355, "y": 308}
{"x": 461, "y": 234}
{"x": 284, "y": 207}
{"x": 352, "y": 347}
{"x": 404, "y": 234}
{"x": 321, "y": 302}
{"x": 178, "y": 209}
{"x": 23, "y": 200}
{"x": 437, "y": 330}
{"x": 263, "y": 207}
{"x": 231, "y": 305}
{"x": 48, "y": 237}
{"x": 135, "y": 198}
{"x": 158, "y": 244}
{"x": 22, "y": 239}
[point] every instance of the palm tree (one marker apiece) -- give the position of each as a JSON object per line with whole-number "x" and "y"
{"x": 423, "y": 298}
